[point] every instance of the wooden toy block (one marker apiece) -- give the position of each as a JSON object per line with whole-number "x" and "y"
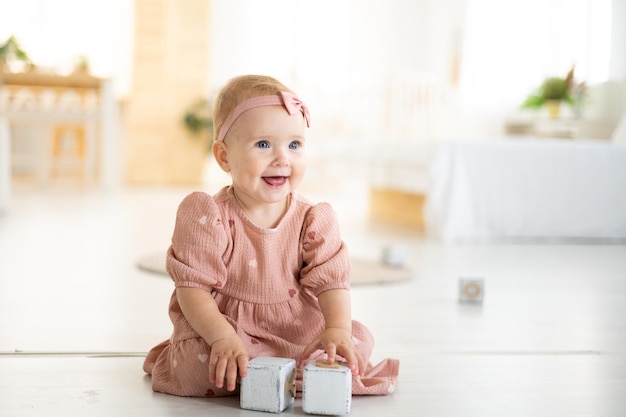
{"x": 269, "y": 385}
{"x": 394, "y": 256}
{"x": 326, "y": 388}
{"x": 471, "y": 290}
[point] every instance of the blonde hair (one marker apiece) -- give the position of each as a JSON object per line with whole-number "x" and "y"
{"x": 240, "y": 89}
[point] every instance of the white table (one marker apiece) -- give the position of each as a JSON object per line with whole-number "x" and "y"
{"x": 527, "y": 189}
{"x": 41, "y": 107}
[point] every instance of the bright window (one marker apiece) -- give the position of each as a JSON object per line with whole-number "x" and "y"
{"x": 510, "y": 47}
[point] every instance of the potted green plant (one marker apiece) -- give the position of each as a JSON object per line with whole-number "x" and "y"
{"x": 554, "y": 91}
{"x": 81, "y": 65}
{"x": 198, "y": 119}
{"x": 13, "y": 58}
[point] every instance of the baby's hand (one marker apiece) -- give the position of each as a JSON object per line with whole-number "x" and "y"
{"x": 229, "y": 358}
{"x": 337, "y": 341}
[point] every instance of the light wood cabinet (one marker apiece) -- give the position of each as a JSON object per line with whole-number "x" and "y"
{"x": 170, "y": 71}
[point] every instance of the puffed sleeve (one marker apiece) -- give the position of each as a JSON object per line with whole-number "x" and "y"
{"x": 324, "y": 254}
{"x": 194, "y": 258}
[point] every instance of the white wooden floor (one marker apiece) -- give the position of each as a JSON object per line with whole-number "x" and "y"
{"x": 77, "y": 316}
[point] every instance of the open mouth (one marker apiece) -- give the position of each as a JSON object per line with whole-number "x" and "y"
{"x": 275, "y": 181}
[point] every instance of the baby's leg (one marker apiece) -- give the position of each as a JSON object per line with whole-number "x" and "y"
{"x": 363, "y": 344}
{"x": 379, "y": 379}
{"x": 363, "y": 340}
{"x": 182, "y": 369}
{"x": 153, "y": 355}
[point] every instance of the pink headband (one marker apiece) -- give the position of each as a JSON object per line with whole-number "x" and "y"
{"x": 292, "y": 104}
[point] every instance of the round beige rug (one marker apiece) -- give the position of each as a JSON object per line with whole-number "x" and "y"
{"x": 363, "y": 271}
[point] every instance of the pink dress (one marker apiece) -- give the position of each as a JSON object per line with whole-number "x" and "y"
{"x": 265, "y": 282}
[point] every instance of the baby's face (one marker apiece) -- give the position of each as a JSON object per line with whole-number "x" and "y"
{"x": 265, "y": 154}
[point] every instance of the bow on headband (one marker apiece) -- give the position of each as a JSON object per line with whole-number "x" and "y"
{"x": 292, "y": 104}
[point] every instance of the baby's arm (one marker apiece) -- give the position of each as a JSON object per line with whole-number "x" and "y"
{"x": 229, "y": 355}
{"x": 337, "y": 335}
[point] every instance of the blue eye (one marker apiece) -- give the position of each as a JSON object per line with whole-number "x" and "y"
{"x": 263, "y": 144}
{"x": 294, "y": 145}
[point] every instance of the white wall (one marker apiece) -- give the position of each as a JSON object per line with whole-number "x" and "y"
{"x": 345, "y": 56}
{"x": 618, "y": 59}
{"x": 339, "y": 55}
{"x": 618, "y": 41}
{"x": 360, "y": 41}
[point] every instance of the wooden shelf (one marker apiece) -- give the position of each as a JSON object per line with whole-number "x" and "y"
{"x": 37, "y": 79}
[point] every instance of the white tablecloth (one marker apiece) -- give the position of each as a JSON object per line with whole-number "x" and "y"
{"x": 526, "y": 188}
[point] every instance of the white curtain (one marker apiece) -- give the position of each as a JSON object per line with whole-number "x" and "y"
{"x": 509, "y": 47}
